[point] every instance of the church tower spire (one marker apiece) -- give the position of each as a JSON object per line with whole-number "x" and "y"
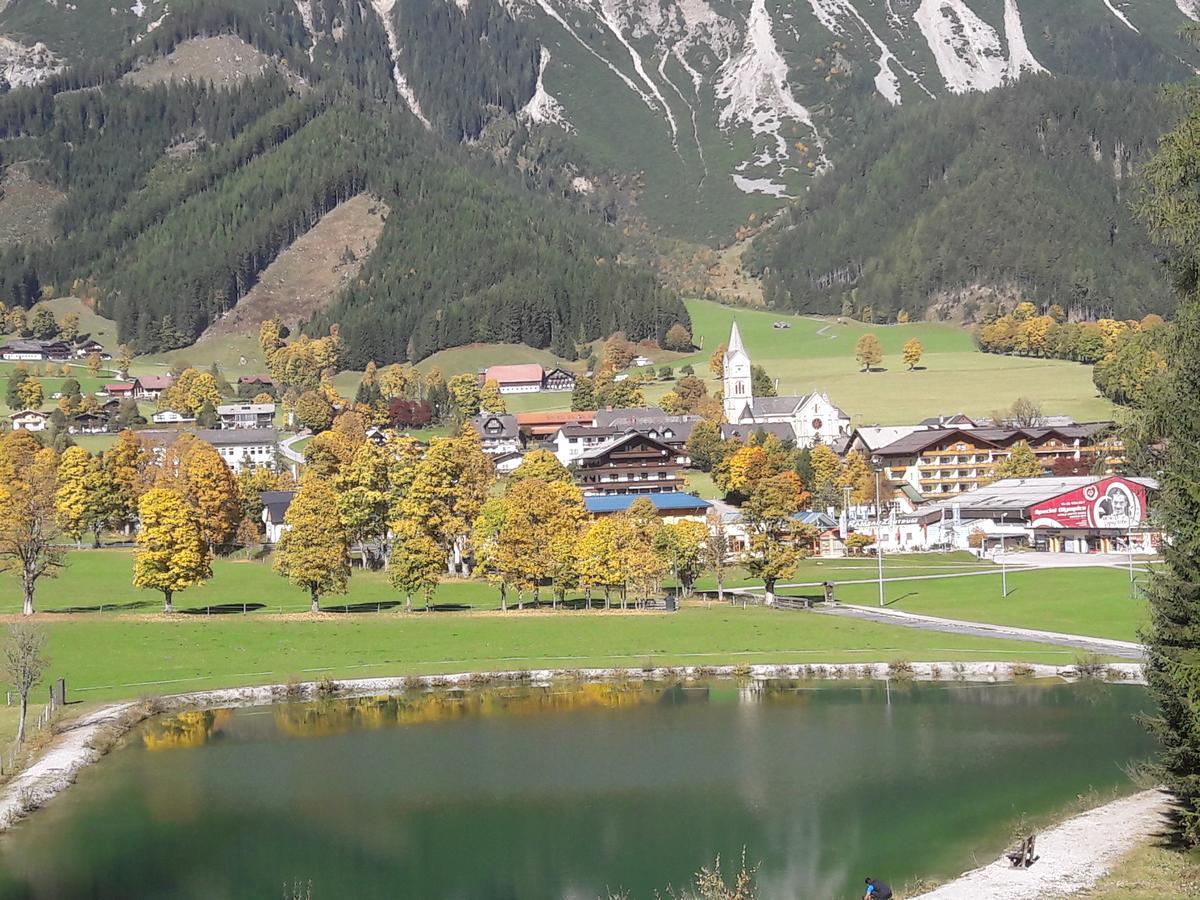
{"x": 736, "y": 381}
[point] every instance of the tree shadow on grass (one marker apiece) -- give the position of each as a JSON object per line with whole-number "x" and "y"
{"x": 446, "y": 607}
{"x": 363, "y": 607}
{"x": 223, "y": 609}
{"x": 106, "y": 607}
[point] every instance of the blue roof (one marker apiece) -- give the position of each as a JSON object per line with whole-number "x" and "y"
{"x": 668, "y": 502}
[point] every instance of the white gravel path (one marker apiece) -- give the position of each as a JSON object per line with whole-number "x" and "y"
{"x": 1073, "y": 855}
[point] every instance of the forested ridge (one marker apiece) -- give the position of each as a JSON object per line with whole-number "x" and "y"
{"x": 179, "y": 195}
{"x": 1028, "y": 186}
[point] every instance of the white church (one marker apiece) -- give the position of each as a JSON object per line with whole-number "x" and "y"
{"x": 813, "y": 418}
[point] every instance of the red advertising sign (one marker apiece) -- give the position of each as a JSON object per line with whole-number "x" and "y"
{"x": 1114, "y": 502}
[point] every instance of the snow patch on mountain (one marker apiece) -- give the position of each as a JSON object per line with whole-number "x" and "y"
{"x": 23, "y": 66}
{"x": 967, "y": 50}
{"x": 754, "y": 84}
{"x": 1120, "y": 15}
{"x": 1020, "y": 57}
{"x": 542, "y": 108}
{"x": 1190, "y": 8}
{"x": 383, "y": 9}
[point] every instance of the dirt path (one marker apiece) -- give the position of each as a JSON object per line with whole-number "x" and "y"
{"x": 1073, "y": 856}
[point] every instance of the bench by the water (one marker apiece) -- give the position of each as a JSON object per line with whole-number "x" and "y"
{"x": 1023, "y": 856}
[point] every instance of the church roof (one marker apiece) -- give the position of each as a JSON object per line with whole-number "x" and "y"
{"x": 776, "y": 406}
{"x": 735, "y": 340}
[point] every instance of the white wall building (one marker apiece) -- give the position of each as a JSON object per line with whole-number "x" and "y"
{"x": 814, "y": 418}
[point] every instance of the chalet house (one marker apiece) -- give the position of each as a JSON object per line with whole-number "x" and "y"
{"x": 558, "y": 380}
{"x": 498, "y": 432}
{"x": 671, "y": 507}
{"x": 148, "y": 387}
{"x": 571, "y": 442}
{"x": 35, "y": 351}
{"x": 119, "y": 389}
{"x": 171, "y": 417}
{"x": 88, "y": 423}
{"x": 275, "y": 507}
{"x": 85, "y": 348}
{"x": 945, "y": 461}
{"x": 29, "y": 420}
{"x": 524, "y": 378}
{"x": 630, "y": 464}
{"x": 641, "y": 361}
{"x": 244, "y": 448}
{"x": 246, "y": 415}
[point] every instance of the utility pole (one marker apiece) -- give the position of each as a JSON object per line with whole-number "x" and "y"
{"x": 878, "y": 529}
{"x": 1003, "y": 560}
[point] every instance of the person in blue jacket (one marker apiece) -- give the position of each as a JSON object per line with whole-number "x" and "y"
{"x": 877, "y": 890}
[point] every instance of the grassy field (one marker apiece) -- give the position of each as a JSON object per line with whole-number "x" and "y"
{"x": 1093, "y": 601}
{"x": 120, "y": 656}
{"x": 818, "y": 354}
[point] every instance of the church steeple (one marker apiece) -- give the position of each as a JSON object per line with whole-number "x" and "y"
{"x": 736, "y": 381}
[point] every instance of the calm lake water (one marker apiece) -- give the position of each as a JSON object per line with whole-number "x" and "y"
{"x": 573, "y": 791}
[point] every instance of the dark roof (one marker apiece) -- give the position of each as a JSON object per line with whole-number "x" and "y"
{"x": 592, "y": 431}
{"x": 634, "y": 415}
{"x": 951, "y": 421}
{"x": 507, "y": 425}
{"x": 782, "y": 430}
{"x": 671, "y": 501}
{"x": 276, "y": 503}
{"x": 620, "y": 441}
{"x": 238, "y": 436}
{"x": 255, "y": 379}
{"x": 776, "y": 406}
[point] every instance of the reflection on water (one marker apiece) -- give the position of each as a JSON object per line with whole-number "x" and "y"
{"x": 573, "y": 790}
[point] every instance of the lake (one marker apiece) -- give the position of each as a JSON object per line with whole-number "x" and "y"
{"x": 576, "y": 790}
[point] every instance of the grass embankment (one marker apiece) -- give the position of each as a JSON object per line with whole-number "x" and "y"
{"x": 1149, "y": 872}
{"x": 109, "y": 640}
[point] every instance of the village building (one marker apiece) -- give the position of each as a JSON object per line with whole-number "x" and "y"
{"x": 119, "y": 390}
{"x": 1088, "y": 514}
{"x": 89, "y": 423}
{"x": 85, "y": 348}
{"x": 528, "y": 378}
{"x": 250, "y": 385}
{"x": 558, "y": 380}
{"x": 148, "y": 387}
{"x": 572, "y": 441}
{"x": 498, "y": 433}
{"x": 671, "y": 507}
{"x": 244, "y": 448}
{"x": 29, "y": 420}
{"x": 246, "y": 415}
{"x": 171, "y": 417}
{"x": 523, "y": 378}
{"x": 30, "y": 350}
{"x": 631, "y": 463}
{"x": 813, "y": 417}
{"x": 275, "y": 506}
{"x": 945, "y": 461}
{"x": 537, "y": 427}
{"x": 507, "y": 463}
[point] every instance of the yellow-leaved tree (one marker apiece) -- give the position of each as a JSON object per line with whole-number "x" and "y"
{"x": 856, "y": 475}
{"x": 362, "y": 498}
{"x": 536, "y": 512}
{"x": 465, "y": 393}
{"x": 414, "y": 563}
{"x": 912, "y": 352}
{"x": 127, "y": 468}
{"x": 211, "y": 488}
{"x": 490, "y": 398}
{"x": 171, "y": 554}
{"x": 543, "y": 465}
{"x": 680, "y": 545}
{"x": 84, "y": 495}
{"x": 485, "y": 545}
{"x": 868, "y": 351}
{"x": 29, "y": 531}
{"x": 598, "y": 558}
{"x": 313, "y": 553}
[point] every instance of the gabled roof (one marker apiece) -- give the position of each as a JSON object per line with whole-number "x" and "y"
{"x": 923, "y": 440}
{"x": 535, "y": 419}
{"x": 558, "y": 370}
{"x": 521, "y": 373}
{"x": 154, "y": 382}
{"x": 119, "y": 386}
{"x": 276, "y": 503}
{"x": 874, "y": 437}
{"x": 230, "y": 409}
{"x": 620, "y": 441}
{"x": 812, "y": 517}
{"x": 29, "y": 413}
{"x": 255, "y": 379}
{"x": 776, "y": 406}
{"x": 631, "y": 415}
{"x": 671, "y": 501}
{"x": 227, "y": 437}
{"x": 507, "y": 424}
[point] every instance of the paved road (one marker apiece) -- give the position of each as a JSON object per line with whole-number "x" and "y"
{"x": 1086, "y": 643}
{"x": 285, "y": 447}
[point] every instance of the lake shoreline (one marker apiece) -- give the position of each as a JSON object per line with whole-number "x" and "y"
{"x": 1073, "y": 855}
{"x": 80, "y": 742}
